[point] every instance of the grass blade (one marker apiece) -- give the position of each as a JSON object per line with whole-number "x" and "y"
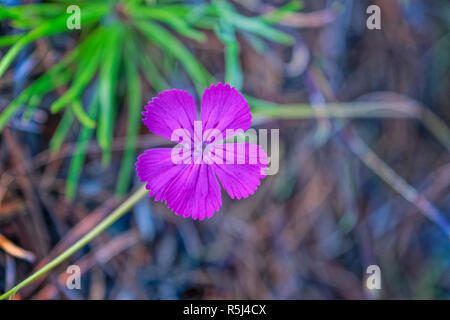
{"x": 45, "y": 28}
{"x": 52, "y": 79}
{"x": 79, "y": 155}
{"x": 84, "y": 75}
{"x": 19, "y": 45}
{"x": 45, "y": 83}
{"x": 152, "y": 74}
{"x": 253, "y": 25}
{"x": 134, "y": 113}
{"x": 81, "y": 115}
{"x": 283, "y": 12}
{"x": 9, "y": 39}
{"x": 170, "y": 44}
{"x": 107, "y": 82}
{"x": 233, "y": 70}
{"x": 61, "y": 131}
{"x": 49, "y": 81}
{"x": 169, "y": 18}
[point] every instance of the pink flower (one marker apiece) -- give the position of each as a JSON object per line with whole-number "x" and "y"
{"x": 187, "y": 178}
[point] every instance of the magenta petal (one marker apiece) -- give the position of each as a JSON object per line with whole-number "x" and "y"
{"x": 242, "y": 176}
{"x": 156, "y": 168}
{"x": 171, "y": 110}
{"x": 223, "y": 107}
{"x": 190, "y": 190}
{"x": 198, "y": 193}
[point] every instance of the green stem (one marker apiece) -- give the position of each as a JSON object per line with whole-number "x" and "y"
{"x": 108, "y": 221}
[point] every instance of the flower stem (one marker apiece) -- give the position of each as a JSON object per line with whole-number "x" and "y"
{"x": 104, "y": 224}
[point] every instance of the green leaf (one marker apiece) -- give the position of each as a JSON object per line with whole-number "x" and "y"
{"x": 54, "y": 15}
{"x": 233, "y": 71}
{"x": 171, "y": 19}
{"x": 57, "y": 76}
{"x": 11, "y": 109}
{"x": 78, "y": 111}
{"x": 283, "y": 12}
{"x": 256, "y": 42}
{"x": 9, "y": 39}
{"x": 61, "y": 131}
{"x": 45, "y": 28}
{"x": 90, "y": 59}
{"x": 258, "y": 27}
{"x": 106, "y": 88}
{"x": 32, "y": 10}
{"x": 20, "y": 44}
{"x": 254, "y": 25}
{"x": 51, "y": 79}
{"x": 134, "y": 114}
{"x": 79, "y": 155}
{"x": 170, "y": 44}
{"x": 152, "y": 74}
{"x": 54, "y": 78}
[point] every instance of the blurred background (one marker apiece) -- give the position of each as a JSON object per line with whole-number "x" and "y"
{"x": 364, "y": 147}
